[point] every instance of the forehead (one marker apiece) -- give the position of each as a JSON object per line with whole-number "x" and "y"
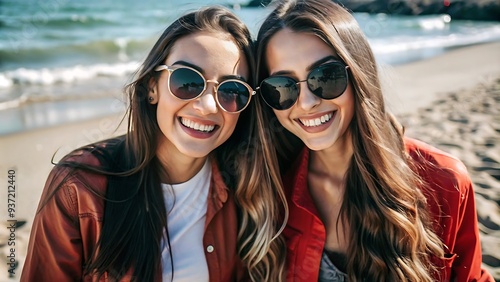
{"x": 289, "y": 50}
{"x": 209, "y": 51}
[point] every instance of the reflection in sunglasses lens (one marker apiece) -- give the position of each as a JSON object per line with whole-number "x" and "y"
{"x": 233, "y": 96}
{"x": 328, "y": 81}
{"x": 186, "y": 84}
{"x": 279, "y": 92}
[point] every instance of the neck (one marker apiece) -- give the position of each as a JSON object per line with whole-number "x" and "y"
{"x": 176, "y": 166}
{"x": 333, "y": 161}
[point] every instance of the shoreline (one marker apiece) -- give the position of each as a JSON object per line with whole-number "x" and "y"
{"x": 415, "y": 85}
{"x": 61, "y": 104}
{"x": 441, "y": 100}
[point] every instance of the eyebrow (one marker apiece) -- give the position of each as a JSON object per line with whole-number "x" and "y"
{"x": 311, "y": 66}
{"x": 322, "y": 61}
{"x": 184, "y": 63}
{"x": 222, "y": 78}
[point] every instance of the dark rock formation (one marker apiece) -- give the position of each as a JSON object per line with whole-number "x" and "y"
{"x": 258, "y": 3}
{"x": 483, "y": 10}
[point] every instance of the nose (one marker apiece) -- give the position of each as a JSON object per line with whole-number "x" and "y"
{"x": 206, "y": 104}
{"x": 307, "y": 100}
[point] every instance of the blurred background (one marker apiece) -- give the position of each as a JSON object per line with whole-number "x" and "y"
{"x": 65, "y": 60}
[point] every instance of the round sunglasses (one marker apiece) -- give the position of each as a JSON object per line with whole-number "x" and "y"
{"x": 186, "y": 83}
{"x": 327, "y": 81}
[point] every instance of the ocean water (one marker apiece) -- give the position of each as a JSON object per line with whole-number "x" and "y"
{"x": 67, "y": 60}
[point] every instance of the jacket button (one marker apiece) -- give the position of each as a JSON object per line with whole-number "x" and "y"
{"x": 210, "y": 248}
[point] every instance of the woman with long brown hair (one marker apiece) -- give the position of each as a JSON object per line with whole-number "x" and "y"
{"x": 188, "y": 193}
{"x": 365, "y": 202}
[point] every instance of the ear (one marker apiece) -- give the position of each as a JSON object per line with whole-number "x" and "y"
{"x": 153, "y": 91}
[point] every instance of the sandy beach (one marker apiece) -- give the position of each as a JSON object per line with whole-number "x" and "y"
{"x": 451, "y": 101}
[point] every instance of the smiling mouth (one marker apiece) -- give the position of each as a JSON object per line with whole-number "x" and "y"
{"x": 316, "y": 121}
{"x": 197, "y": 126}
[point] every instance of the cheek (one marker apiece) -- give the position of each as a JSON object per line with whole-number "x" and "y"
{"x": 350, "y": 99}
{"x": 163, "y": 111}
{"x": 167, "y": 108}
{"x": 348, "y": 105}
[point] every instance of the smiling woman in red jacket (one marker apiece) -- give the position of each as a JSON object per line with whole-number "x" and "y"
{"x": 366, "y": 203}
{"x": 187, "y": 194}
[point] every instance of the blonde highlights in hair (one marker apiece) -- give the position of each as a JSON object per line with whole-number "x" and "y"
{"x": 391, "y": 231}
{"x": 243, "y": 159}
{"x": 265, "y": 210}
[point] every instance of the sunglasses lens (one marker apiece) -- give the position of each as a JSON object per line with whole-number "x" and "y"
{"x": 186, "y": 83}
{"x": 233, "y": 96}
{"x": 328, "y": 81}
{"x": 279, "y": 92}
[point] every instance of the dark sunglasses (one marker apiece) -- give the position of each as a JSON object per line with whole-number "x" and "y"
{"x": 185, "y": 83}
{"x": 327, "y": 81}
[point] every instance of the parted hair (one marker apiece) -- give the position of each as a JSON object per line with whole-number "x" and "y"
{"x": 135, "y": 216}
{"x": 391, "y": 235}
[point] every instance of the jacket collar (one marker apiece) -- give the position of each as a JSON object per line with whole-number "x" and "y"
{"x": 218, "y": 187}
{"x": 218, "y": 193}
{"x": 298, "y": 183}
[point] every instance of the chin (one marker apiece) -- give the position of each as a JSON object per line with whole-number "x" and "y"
{"x": 194, "y": 153}
{"x": 318, "y": 145}
{"x": 197, "y": 154}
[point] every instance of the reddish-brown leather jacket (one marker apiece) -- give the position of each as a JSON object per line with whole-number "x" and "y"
{"x": 451, "y": 204}
{"x": 65, "y": 231}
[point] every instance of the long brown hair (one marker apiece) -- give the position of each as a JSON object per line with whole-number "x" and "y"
{"x": 391, "y": 231}
{"x": 135, "y": 214}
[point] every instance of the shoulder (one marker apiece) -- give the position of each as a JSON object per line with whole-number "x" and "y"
{"x": 218, "y": 182}
{"x": 442, "y": 172}
{"x": 81, "y": 167}
{"x": 94, "y": 154}
{"x": 91, "y": 161}
{"x": 74, "y": 170}
{"x": 427, "y": 155}
{"x": 75, "y": 185}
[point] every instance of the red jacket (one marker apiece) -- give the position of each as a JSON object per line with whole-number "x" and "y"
{"x": 67, "y": 229}
{"x": 452, "y": 207}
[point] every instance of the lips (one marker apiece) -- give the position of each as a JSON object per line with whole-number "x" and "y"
{"x": 316, "y": 123}
{"x": 198, "y": 129}
{"x": 197, "y": 126}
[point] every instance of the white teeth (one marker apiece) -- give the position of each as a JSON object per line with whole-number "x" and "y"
{"x": 317, "y": 121}
{"x": 196, "y": 126}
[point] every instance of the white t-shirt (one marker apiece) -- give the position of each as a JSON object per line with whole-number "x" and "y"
{"x": 186, "y": 226}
